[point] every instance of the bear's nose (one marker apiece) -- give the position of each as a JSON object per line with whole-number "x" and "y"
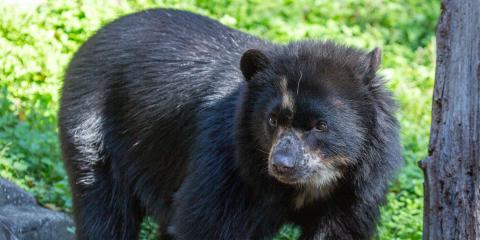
{"x": 283, "y": 162}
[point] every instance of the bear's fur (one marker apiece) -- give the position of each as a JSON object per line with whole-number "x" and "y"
{"x": 220, "y": 135}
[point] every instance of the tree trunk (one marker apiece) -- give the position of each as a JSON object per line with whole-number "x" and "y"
{"x": 452, "y": 168}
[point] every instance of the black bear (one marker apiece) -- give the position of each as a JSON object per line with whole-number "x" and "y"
{"x": 221, "y": 135}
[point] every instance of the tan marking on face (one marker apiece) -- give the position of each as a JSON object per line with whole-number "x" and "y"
{"x": 299, "y": 134}
{"x": 319, "y": 186}
{"x": 288, "y": 101}
{"x": 337, "y": 160}
{"x": 327, "y": 172}
{"x": 322, "y": 184}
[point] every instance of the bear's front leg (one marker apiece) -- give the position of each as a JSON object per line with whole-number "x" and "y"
{"x": 355, "y": 222}
{"x": 223, "y": 207}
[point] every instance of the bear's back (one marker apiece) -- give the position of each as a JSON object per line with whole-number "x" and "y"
{"x": 140, "y": 85}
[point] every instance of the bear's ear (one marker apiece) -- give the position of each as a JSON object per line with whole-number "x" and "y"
{"x": 252, "y": 62}
{"x": 374, "y": 59}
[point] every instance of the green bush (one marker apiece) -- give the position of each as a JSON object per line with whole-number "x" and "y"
{"x": 36, "y": 45}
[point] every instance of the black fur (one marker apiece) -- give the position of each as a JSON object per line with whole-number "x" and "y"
{"x": 156, "y": 118}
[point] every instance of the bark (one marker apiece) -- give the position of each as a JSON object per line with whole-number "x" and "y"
{"x": 452, "y": 168}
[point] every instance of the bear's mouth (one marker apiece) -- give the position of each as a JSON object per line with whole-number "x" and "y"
{"x": 291, "y": 177}
{"x": 287, "y": 180}
{"x": 321, "y": 178}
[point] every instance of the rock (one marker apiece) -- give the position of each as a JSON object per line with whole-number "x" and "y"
{"x": 11, "y": 194}
{"x": 22, "y": 218}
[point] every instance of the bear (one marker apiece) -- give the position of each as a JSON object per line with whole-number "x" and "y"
{"x": 217, "y": 134}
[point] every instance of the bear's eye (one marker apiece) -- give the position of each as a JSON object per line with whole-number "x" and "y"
{"x": 272, "y": 120}
{"x": 321, "y": 126}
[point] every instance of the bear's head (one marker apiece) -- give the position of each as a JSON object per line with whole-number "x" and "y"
{"x": 310, "y": 108}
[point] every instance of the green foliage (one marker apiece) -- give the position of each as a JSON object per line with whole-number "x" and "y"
{"x": 36, "y": 45}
